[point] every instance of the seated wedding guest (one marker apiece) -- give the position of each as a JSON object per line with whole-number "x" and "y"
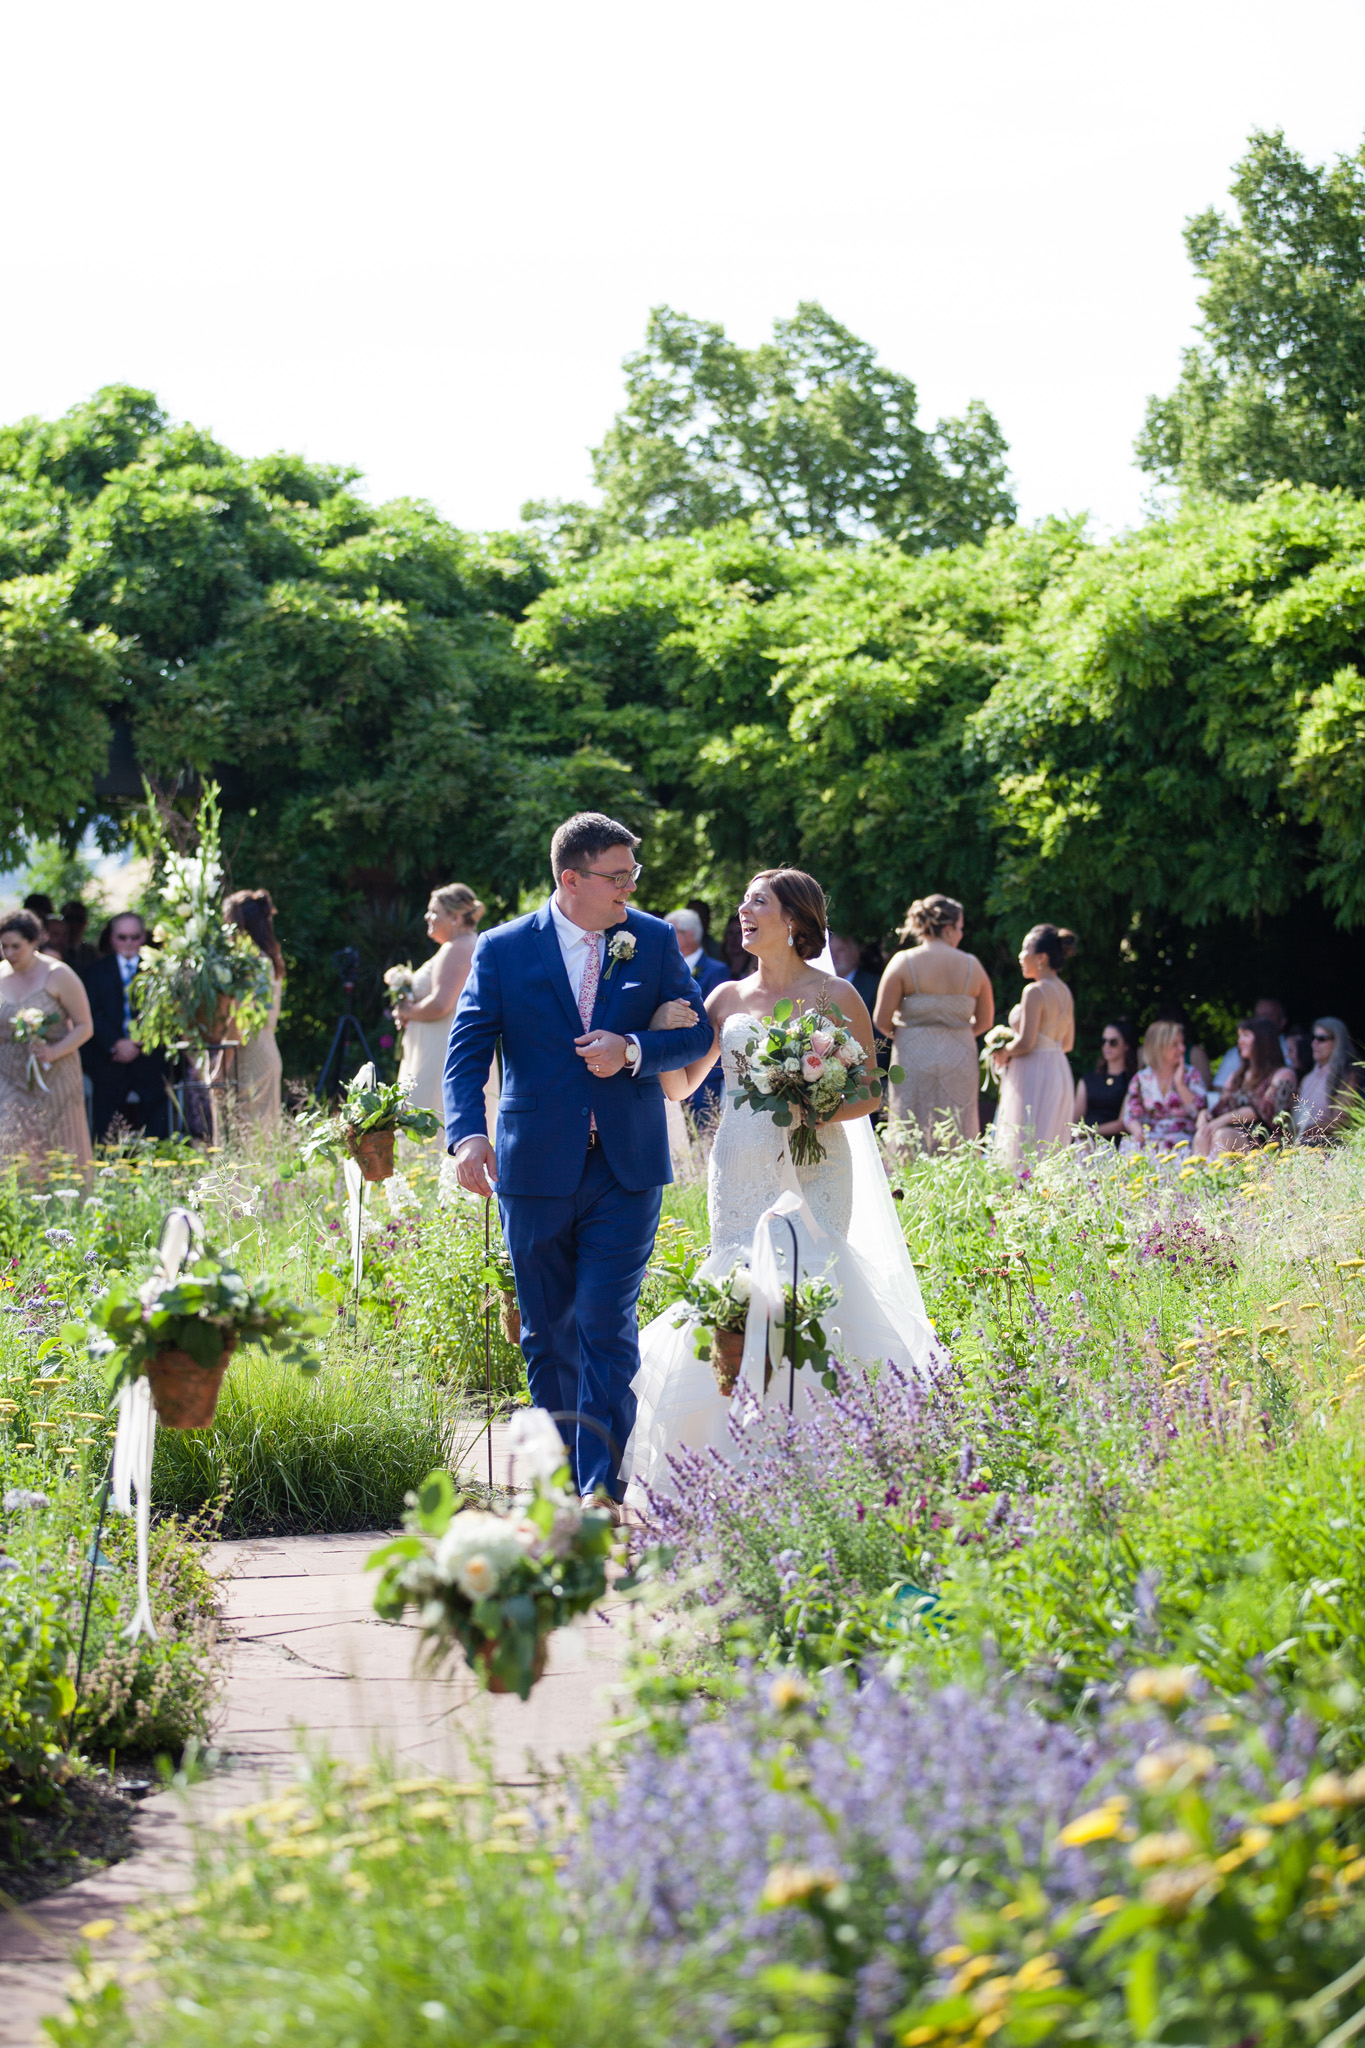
{"x": 1298, "y": 1049}
{"x": 709, "y": 945}
{"x": 42, "y": 1102}
{"x": 1264, "y": 1006}
{"x": 704, "y": 1102}
{"x": 732, "y": 950}
{"x": 1256, "y": 1103}
{"x": 80, "y": 954}
{"x": 42, "y": 908}
{"x": 1331, "y": 1089}
{"x": 126, "y": 1081}
{"x": 1100, "y": 1096}
{"x": 1165, "y": 1096}
{"x": 1194, "y": 1054}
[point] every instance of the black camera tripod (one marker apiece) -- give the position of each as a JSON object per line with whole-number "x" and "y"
{"x": 346, "y": 961}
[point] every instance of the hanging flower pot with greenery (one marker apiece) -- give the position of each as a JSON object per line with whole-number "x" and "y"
{"x": 179, "y": 1330}
{"x": 372, "y": 1112}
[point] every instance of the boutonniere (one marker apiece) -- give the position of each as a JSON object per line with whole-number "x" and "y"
{"x": 622, "y": 947}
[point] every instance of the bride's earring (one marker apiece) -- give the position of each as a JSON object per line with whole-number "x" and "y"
{"x": 790, "y": 940}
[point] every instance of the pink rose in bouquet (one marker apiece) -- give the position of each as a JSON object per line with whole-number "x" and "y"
{"x": 812, "y": 1066}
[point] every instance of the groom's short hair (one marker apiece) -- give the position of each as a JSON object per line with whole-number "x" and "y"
{"x": 584, "y": 837}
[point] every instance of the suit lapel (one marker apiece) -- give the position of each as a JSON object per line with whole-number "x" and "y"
{"x": 547, "y": 939}
{"x": 607, "y": 989}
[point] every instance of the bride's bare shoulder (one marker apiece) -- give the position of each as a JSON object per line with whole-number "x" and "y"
{"x": 724, "y": 1000}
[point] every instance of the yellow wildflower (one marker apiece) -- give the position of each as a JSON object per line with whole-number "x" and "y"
{"x": 1329, "y": 1790}
{"x": 1035, "y": 1970}
{"x": 972, "y": 1971}
{"x": 1176, "y": 1889}
{"x": 787, "y": 1692}
{"x": 1101, "y": 1824}
{"x": 1188, "y": 1761}
{"x": 1151, "y": 1850}
{"x": 1278, "y": 1811}
{"x": 97, "y": 1930}
{"x": 1168, "y": 1684}
{"x": 791, "y": 1884}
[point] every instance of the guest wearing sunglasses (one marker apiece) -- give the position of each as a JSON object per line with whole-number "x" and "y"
{"x": 1100, "y": 1095}
{"x": 1331, "y": 1090}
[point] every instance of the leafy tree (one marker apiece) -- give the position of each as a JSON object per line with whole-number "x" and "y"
{"x": 345, "y": 670}
{"x": 808, "y": 435}
{"x": 787, "y": 704}
{"x": 1276, "y": 391}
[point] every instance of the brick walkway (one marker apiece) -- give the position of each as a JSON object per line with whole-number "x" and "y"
{"x": 310, "y": 1655}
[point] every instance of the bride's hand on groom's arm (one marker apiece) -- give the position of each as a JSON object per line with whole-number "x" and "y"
{"x": 675, "y": 1015}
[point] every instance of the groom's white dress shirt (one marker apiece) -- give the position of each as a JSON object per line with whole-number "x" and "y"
{"x": 573, "y": 945}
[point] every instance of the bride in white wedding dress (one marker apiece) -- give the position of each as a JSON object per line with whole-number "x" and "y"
{"x": 840, "y": 1207}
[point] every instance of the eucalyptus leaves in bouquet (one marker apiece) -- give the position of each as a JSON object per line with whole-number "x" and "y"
{"x": 497, "y": 1585}
{"x": 198, "y": 964}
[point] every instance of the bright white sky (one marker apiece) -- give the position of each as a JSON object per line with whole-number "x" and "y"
{"x": 419, "y": 237}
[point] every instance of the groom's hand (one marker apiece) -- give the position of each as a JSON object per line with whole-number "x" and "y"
{"x": 604, "y": 1051}
{"x": 476, "y": 1166}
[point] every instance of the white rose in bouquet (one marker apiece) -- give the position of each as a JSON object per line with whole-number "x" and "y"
{"x": 741, "y": 1287}
{"x": 849, "y": 1053}
{"x": 477, "y": 1550}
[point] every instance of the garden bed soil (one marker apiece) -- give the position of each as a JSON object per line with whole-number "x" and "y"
{"x": 88, "y": 1826}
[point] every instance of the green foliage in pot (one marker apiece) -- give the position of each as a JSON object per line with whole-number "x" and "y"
{"x": 368, "y": 1106}
{"x": 197, "y": 1311}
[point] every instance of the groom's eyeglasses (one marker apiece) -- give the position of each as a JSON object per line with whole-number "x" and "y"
{"x": 618, "y": 880}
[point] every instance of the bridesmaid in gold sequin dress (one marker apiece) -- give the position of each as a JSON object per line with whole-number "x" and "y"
{"x": 938, "y": 1001}
{"x": 42, "y": 1098}
{"x": 258, "y": 1064}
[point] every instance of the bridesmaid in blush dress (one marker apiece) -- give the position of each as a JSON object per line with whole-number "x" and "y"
{"x": 1037, "y": 1091}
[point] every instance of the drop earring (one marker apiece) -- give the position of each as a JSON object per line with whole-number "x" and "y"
{"x": 790, "y": 940}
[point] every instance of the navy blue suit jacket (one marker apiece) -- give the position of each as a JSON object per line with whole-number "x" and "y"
{"x": 518, "y": 992}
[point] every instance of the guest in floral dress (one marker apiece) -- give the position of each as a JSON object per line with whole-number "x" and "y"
{"x": 1165, "y": 1095}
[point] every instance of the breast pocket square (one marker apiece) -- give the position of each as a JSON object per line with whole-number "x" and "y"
{"x": 632, "y": 984}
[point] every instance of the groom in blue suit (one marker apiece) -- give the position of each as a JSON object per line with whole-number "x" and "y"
{"x": 582, "y": 1157}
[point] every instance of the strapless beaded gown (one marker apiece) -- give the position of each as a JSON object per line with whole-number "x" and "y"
{"x": 678, "y": 1404}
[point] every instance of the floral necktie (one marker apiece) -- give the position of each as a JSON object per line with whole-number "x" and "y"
{"x": 587, "y": 991}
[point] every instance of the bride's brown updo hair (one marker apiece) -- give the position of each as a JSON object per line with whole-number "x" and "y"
{"x": 458, "y": 902}
{"x": 803, "y": 900}
{"x": 929, "y": 917}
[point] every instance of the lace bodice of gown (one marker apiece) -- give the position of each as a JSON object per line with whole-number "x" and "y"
{"x": 750, "y": 1166}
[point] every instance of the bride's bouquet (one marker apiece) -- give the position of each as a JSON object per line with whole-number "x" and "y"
{"x": 36, "y": 1027}
{"x": 800, "y": 1069}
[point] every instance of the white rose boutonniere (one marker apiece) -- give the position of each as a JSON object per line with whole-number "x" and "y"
{"x": 620, "y": 948}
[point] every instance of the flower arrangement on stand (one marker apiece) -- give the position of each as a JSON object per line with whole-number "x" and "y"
{"x": 497, "y": 1585}
{"x": 180, "y": 1331}
{"x": 199, "y": 969}
{"x": 799, "y": 1069}
{"x": 372, "y": 1112}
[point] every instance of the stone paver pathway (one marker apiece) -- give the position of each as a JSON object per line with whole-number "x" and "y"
{"x": 309, "y": 1655}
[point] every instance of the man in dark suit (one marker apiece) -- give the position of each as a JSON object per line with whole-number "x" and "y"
{"x": 705, "y": 1102}
{"x": 126, "y": 1081}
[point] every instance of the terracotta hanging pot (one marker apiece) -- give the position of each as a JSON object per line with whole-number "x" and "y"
{"x": 373, "y": 1153}
{"x": 727, "y": 1355}
{"x": 185, "y": 1393}
{"x": 485, "y": 1651}
{"x": 509, "y": 1317}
